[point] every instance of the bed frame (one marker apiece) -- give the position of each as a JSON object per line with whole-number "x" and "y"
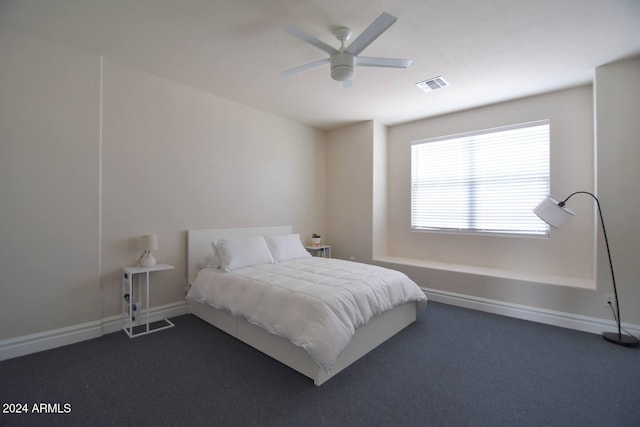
{"x": 365, "y": 339}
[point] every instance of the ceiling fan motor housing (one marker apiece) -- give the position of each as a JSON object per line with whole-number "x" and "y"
{"x": 342, "y": 66}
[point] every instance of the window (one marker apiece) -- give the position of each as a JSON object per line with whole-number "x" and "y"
{"x": 482, "y": 182}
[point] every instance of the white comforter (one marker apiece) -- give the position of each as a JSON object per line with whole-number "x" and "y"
{"x": 317, "y": 303}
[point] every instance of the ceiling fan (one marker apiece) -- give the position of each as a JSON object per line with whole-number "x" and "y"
{"x": 343, "y": 61}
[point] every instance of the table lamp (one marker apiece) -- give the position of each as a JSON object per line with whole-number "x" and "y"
{"x": 148, "y": 243}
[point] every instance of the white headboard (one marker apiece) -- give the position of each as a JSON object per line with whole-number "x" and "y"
{"x": 199, "y": 242}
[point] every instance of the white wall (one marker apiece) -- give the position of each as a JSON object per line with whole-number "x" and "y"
{"x": 357, "y": 197}
{"x": 618, "y": 133}
{"x": 176, "y": 158}
{"x": 569, "y": 251}
{"x": 49, "y": 128}
{"x": 380, "y": 189}
{"x": 350, "y": 195}
{"x": 165, "y": 158}
{"x": 556, "y": 273}
{"x": 501, "y": 274}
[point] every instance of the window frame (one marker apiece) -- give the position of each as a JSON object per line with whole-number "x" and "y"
{"x": 541, "y": 231}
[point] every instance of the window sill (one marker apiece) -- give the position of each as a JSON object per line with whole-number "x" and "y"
{"x": 573, "y": 282}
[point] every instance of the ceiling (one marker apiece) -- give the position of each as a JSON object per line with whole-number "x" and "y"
{"x": 489, "y": 51}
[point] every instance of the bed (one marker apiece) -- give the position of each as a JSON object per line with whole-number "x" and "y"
{"x": 364, "y": 338}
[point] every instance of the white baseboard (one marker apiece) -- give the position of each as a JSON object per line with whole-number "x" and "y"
{"x": 27, "y": 344}
{"x": 550, "y": 317}
{"x": 20, "y": 346}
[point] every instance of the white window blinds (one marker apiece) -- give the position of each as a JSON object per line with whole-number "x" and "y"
{"x": 485, "y": 182}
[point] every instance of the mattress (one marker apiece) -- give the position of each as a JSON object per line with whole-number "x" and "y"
{"x": 316, "y": 303}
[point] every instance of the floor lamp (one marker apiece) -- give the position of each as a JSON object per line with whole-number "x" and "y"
{"x": 556, "y": 215}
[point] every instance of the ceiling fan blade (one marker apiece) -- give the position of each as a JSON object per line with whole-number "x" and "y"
{"x": 311, "y": 40}
{"x": 306, "y": 67}
{"x": 369, "y": 61}
{"x": 346, "y": 84}
{"x": 372, "y": 32}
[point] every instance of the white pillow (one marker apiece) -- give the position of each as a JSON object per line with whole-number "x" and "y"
{"x": 242, "y": 252}
{"x": 286, "y": 247}
{"x": 209, "y": 261}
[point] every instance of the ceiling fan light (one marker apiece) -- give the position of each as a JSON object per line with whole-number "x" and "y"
{"x": 342, "y": 73}
{"x": 342, "y": 66}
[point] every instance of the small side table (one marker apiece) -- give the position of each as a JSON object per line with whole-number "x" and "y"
{"x": 319, "y": 250}
{"x": 128, "y": 315}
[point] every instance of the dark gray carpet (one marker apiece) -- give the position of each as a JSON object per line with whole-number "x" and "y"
{"x": 453, "y": 367}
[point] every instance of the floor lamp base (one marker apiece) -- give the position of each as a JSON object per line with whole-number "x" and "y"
{"x": 621, "y": 339}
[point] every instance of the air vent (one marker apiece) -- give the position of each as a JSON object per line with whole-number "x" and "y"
{"x": 433, "y": 84}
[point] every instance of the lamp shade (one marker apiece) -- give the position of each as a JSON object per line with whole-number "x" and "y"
{"x": 550, "y": 211}
{"x": 149, "y": 242}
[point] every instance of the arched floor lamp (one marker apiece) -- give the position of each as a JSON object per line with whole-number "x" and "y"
{"x": 556, "y": 215}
